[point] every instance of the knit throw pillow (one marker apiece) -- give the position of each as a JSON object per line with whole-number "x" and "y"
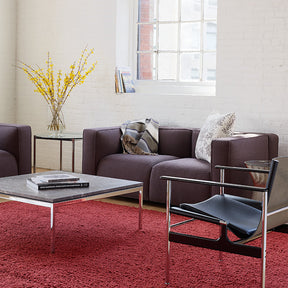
{"x": 215, "y": 126}
{"x": 140, "y": 137}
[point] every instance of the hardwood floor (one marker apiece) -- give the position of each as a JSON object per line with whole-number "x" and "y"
{"x": 134, "y": 203}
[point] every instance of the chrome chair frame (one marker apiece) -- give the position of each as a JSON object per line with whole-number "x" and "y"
{"x": 223, "y": 243}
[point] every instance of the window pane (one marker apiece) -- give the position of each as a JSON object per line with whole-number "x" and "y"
{"x": 146, "y": 37}
{"x": 210, "y": 9}
{"x": 146, "y": 66}
{"x": 209, "y": 67}
{"x": 190, "y": 67}
{"x": 168, "y": 10}
{"x": 210, "y": 31}
{"x": 190, "y": 36}
{"x": 146, "y": 10}
{"x": 168, "y": 37}
{"x": 190, "y": 10}
{"x": 163, "y": 54}
{"x": 167, "y": 66}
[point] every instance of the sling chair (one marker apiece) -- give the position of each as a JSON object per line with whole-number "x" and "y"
{"x": 246, "y": 218}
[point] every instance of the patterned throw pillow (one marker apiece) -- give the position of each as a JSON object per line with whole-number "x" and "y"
{"x": 215, "y": 126}
{"x": 140, "y": 137}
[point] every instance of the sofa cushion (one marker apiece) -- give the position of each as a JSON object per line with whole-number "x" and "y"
{"x": 131, "y": 167}
{"x": 182, "y": 192}
{"x": 175, "y": 141}
{"x": 8, "y": 164}
{"x": 215, "y": 126}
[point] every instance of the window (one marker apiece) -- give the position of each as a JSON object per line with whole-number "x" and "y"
{"x": 176, "y": 40}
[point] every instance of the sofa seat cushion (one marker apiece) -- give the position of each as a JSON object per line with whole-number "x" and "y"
{"x": 131, "y": 167}
{"x": 8, "y": 164}
{"x": 182, "y": 192}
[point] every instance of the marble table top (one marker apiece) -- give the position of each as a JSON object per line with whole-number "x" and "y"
{"x": 15, "y": 186}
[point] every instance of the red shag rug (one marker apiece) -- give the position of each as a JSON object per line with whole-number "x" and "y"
{"x": 99, "y": 245}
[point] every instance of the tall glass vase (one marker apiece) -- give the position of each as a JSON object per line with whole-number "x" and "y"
{"x": 57, "y": 123}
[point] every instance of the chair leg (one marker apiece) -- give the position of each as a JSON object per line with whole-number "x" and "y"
{"x": 222, "y": 180}
{"x": 168, "y": 220}
{"x": 264, "y": 238}
{"x": 220, "y": 252}
{"x": 263, "y": 272}
{"x": 167, "y": 280}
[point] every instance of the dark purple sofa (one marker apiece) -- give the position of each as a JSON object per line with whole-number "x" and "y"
{"x": 102, "y": 155}
{"x": 15, "y": 149}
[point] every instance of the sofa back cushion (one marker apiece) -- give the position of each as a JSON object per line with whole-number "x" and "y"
{"x": 195, "y": 134}
{"x": 175, "y": 142}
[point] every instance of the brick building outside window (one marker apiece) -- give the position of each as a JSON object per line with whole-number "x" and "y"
{"x": 176, "y": 40}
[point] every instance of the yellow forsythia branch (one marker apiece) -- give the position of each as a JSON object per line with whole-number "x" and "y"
{"x": 56, "y": 93}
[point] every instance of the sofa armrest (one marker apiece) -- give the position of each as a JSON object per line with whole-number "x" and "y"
{"x": 97, "y": 143}
{"x": 273, "y": 142}
{"x": 235, "y": 150}
{"x": 16, "y": 139}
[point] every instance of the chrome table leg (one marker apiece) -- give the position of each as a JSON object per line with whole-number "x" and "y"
{"x": 140, "y": 208}
{"x": 52, "y": 228}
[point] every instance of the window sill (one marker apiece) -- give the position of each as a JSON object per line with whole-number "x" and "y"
{"x": 174, "y": 88}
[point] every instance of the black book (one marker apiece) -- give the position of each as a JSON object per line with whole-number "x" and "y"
{"x": 41, "y": 185}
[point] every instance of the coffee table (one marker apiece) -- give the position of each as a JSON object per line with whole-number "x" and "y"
{"x": 15, "y": 188}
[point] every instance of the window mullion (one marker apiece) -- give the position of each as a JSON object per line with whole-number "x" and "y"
{"x": 157, "y": 39}
{"x": 179, "y": 41}
{"x": 202, "y": 41}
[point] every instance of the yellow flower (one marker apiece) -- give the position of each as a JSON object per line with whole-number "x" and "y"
{"x": 57, "y": 93}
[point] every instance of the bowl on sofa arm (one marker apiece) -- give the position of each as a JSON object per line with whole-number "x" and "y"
{"x": 103, "y": 156}
{"x": 15, "y": 149}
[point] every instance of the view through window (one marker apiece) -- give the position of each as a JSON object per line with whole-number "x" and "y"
{"x": 176, "y": 40}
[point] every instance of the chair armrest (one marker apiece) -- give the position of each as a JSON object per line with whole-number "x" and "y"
{"x": 98, "y": 143}
{"x": 242, "y": 169}
{"x": 16, "y": 139}
{"x": 214, "y": 183}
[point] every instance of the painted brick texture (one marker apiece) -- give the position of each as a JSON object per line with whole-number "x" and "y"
{"x": 252, "y": 70}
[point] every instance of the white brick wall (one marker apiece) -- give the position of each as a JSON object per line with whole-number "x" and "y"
{"x": 252, "y": 70}
{"x": 7, "y": 60}
{"x": 252, "y": 66}
{"x": 64, "y": 28}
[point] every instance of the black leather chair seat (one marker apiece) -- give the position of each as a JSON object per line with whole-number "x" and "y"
{"x": 244, "y": 220}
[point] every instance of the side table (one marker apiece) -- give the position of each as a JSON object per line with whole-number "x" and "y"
{"x": 61, "y": 137}
{"x": 259, "y": 179}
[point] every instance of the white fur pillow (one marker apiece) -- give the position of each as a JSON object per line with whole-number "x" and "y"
{"x": 215, "y": 126}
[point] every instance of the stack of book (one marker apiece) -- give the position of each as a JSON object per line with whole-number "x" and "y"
{"x": 123, "y": 80}
{"x": 56, "y": 181}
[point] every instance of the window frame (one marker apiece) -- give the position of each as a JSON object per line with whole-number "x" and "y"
{"x": 160, "y": 87}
